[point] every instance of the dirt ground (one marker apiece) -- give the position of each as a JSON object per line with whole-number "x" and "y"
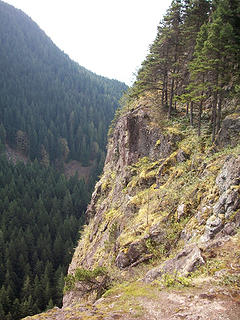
{"x": 187, "y": 303}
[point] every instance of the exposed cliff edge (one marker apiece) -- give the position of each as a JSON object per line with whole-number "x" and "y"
{"x": 162, "y": 237}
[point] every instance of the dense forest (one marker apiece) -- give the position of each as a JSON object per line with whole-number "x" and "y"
{"x": 41, "y": 214}
{"x": 52, "y": 111}
{"x": 194, "y": 63}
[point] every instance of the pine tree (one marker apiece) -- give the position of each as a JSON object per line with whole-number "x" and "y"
{"x": 215, "y": 54}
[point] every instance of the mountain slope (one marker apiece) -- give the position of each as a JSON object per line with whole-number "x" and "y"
{"x": 163, "y": 231}
{"x": 162, "y": 238}
{"x": 50, "y": 107}
{"x": 54, "y": 116}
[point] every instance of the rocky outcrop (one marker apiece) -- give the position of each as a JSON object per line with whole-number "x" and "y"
{"x": 137, "y": 135}
{"x": 230, "y": 174}
{"x": 228, "y": 183}
{"x": 160, "y": 198}
{"x": 230, "y": 131}
{"x": 165, "y": 204}
{"x": 134, "y": 252}
{"x": 184, "y": 263}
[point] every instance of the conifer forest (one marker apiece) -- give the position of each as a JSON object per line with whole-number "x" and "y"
{"x": 54, "y": 111}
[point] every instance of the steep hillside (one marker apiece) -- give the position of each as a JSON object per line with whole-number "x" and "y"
{"x": 162, "y": 239}
{"x": 163, "y": 225}
{"x": 51, "y": 108}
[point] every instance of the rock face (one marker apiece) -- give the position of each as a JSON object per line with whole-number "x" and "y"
{"x": 228, "y": 183}
{"x": 230, "y": 131}
{"x": 134, "y": 138}
{"x": 160, "y": 198}
{"x": 229, "y": 175}
{"x": 184, "y": 263}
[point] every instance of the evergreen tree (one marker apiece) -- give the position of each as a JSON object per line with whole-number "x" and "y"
{"x": 215, "y": 58}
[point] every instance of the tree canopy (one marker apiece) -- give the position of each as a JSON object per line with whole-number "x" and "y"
{"x": 194, "y": 58}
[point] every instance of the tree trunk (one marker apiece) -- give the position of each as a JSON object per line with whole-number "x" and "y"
{"x": 171, "y": 99}
{"x": 200, "y": 114}
{"x": 166, "y": 90}
{"x": 191, "y": 113}
{"x": 163, "y": 91}
{"x": 187, "y": 108}
{"x": 214, "y": 109}
{"x": 200, "y": 118}
{"x": 219, "y": 113}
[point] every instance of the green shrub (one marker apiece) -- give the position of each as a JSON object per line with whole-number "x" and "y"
{"x": 91, "y": 280}
{"x": 174, "y": 280}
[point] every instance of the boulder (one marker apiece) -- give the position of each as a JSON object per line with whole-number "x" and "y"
{"x": 213, "y": 226}
{"x": 182, "y": 156}
{"x": 184, "y": 263}
{"x": 131, "y": 254}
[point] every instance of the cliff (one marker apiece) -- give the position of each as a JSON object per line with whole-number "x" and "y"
{"x": 162, "y": 239}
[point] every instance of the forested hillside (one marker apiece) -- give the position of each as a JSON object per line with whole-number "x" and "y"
{"x": 41, "y": 213}
{"x": 162, "y": 238}
{"x": 50, "y": 107}
{"x": 52, "y": 111}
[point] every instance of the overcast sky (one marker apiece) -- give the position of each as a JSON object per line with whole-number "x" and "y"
{"x": 108, "y": 37}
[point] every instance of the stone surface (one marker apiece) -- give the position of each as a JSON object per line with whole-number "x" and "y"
{"x": 156, "y": 234}
{"x": 181, "y": 210}
{"x": 228, "y": 202}
{"x": 228, "y": 181}
{"x": 184, "y": 263}
{"x": 237, "y": 219}
{"x": 134, "y": 138}
{"x": 213, "y": 226}
{"x": 230, "y": 174}
{"x": 229, "y": 229}
{"x": 202, "y": 213}
{"x": 230, "y": 131}
{"x": 131, "y": 254}
{"x": 182, "y": 156}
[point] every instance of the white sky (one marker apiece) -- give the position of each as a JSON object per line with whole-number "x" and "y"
{"x": 108, "y": 37}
